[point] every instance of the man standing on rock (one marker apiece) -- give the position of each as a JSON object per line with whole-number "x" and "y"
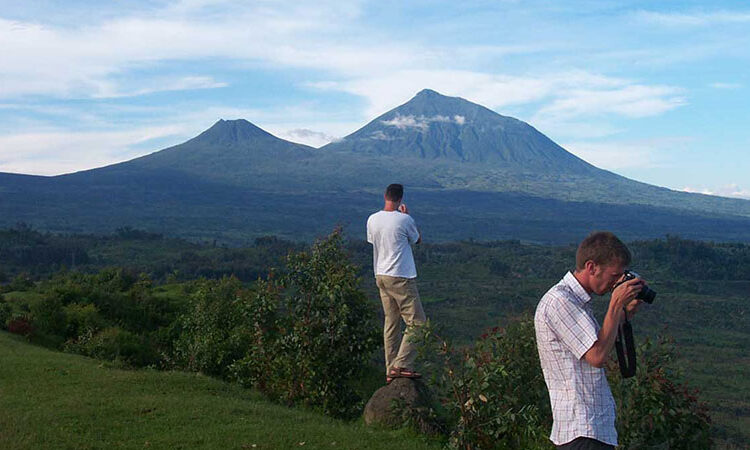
{"x": 391, "y": 231}
{"x": 573, "y": 349}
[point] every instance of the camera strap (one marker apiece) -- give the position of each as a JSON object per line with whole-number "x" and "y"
{"x": 625, "y": 337}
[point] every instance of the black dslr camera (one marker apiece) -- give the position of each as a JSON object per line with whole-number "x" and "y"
{"x": 647, "y": 294}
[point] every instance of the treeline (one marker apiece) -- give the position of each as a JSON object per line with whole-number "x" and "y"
{"x": 35, "y": 255}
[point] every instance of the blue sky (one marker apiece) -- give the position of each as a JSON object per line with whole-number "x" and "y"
{"x": 655, "y": 91}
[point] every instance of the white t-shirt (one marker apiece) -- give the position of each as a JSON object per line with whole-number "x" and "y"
{"x": 390, "y": 233}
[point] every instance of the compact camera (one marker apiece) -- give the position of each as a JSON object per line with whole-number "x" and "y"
{"x": 647, "y": 294}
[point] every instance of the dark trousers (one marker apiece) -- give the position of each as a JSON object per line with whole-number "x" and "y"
{"x": 584, "y": 443}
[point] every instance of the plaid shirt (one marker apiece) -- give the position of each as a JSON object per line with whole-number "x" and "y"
{"x": 582, "y": 404}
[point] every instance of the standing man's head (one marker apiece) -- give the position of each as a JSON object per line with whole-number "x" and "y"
{"x": 393, "y": 195}
{"x": 601, "y": 260}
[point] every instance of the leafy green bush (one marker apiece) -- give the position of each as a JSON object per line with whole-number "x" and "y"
{"x": 213, "y": 327}
{"x": 80, "y": 318}
{"x": 5, "y": 312}
{"x": 300, "y": 338}
{"x": 495, "y": 394}
{"x": 48, "y": 316}
{"x": 654, "y": 408}
{"x": 326, "y": 334}
{"x": 114, "y": 344}
{"x": 494, "y": 391}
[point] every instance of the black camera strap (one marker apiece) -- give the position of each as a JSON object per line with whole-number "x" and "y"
{"x": 625, "y": 337}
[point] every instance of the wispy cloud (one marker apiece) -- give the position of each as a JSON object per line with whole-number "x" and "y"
{"x": 421, "y": 123}
{"x": 725, "y": 85}
{"x": 694, "y": 19}
{"x": 563, "y": 96}
{"x": 630, "y": 101}
{"x": 108, "y": 90}
{"x": 636, "y": 154}
{"x": 729, "y": 190}
{"x": 308, "y": 137}
{"x": 53, "y": 153}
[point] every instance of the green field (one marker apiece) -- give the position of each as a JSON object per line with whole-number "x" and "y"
{"x": 52, "y": 400}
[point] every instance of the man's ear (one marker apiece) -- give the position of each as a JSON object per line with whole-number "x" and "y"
{"x": 590, "y": 267}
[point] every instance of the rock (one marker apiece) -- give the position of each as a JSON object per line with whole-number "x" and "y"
{"x": 406, "y": 394}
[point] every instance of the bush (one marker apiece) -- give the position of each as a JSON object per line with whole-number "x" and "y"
{"x": 325, "y": 336}
{"x": 493, "y": 392}
{"x": 114, "y": 344}
{"x": 212, "y": 329}
{"x": 5, "y": 312}
{"x": 48, "y": 316}
{"x": 654, "y": 408}
{"x": 80, "y": 318}
{"x": 21, "y": 325}
{"x": 300, "y": 338}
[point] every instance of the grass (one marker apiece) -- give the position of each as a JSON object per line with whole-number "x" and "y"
{"x": 55, "y": 400}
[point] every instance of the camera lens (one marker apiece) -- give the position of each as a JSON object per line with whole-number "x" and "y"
{"x": 647, "y": 295}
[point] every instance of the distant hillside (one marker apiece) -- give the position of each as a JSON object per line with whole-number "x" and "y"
{"x": 469, "y": 173}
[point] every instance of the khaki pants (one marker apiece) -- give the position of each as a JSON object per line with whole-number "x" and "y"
{"x": 400, "y": 301}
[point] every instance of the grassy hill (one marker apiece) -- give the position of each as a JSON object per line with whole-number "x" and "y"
{"x": 56, "y": 400}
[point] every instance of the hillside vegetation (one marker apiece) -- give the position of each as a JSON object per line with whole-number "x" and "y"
{"x": 467, "y": 288}
{"x": 56, "y": 400}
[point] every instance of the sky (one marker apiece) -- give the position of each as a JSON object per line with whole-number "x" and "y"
{"x": 655, "y": 91}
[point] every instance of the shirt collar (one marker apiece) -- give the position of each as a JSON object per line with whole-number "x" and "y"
{"x": 580, "y": 293}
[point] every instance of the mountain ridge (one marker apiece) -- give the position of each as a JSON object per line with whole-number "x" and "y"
{"x": 496, "y": 168}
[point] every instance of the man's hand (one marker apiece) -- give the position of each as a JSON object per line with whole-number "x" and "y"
{"x": 402, "y": 208}
{"x": 624, "y": 294}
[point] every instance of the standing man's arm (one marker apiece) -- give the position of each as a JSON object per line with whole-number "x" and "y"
{"x": 403, "y": 209}
{"x": 623, "y": 296}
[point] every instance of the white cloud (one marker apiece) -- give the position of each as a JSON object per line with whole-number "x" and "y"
{"x": 380, "y": 136}
{"x": 725, "y": 85}
{"x": 87, "y": 61}
{"x": 633, "y": 100}
{"x": 53, "y": 153}
{"x": 637, "y": 154}
{"x": 163, "y": 85}
{"x": 564, "y": 95}
{"x": 308, "y": 137}
{"x": 421, "y": 123}
{"x": 729, "y": 190}
{"x": 696, "y": 19}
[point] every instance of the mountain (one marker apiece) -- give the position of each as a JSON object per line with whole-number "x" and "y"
{"x": 469, "y": 172}
{"x": 432, "y": 126}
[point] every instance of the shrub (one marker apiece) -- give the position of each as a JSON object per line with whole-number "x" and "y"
{"x": 21, "y": 325}
{"x": 300, "y": 338}
{"x": 48, "y": 316}
{"x": 114, "y": 344}
{"x": 325, "y": 336}
{"x": 495, "y": 394}
{"x": 654, "y": 408}
{"x": 5, "y": 312}
{"x": 80, "y": 318}
{"x": 210, "y": 340}
{"x": 494, "y": 391}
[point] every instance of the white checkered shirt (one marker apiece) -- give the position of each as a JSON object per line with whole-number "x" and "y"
{"x": 582, "y": 404}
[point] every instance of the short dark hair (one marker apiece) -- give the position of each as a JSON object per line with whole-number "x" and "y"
{"x": 394, "y": 192}
{"x": 603, "y": 248}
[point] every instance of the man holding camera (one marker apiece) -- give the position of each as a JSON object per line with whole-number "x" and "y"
{"x": 573, "y": 348}
{"x": 391, "y": 231}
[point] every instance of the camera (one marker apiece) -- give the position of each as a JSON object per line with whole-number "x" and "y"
{"x": 647, "y": 294}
